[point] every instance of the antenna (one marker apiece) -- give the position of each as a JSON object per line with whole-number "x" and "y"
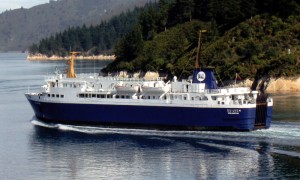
{"x": 94, "y": 66}
{"x": 198, "y": 58}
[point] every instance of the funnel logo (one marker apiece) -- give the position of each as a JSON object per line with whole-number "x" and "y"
{"x": 201, "y": 76}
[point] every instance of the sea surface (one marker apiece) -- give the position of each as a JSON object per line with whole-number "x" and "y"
{"x": 30, "y": 149}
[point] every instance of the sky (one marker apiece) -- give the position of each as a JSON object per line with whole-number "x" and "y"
{"x": 15, "y": 4}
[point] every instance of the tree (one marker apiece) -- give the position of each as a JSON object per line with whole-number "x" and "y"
{"x": 34, "y": 49}
{"x": 163, "y": 14}
{"x": 182, "y": 11}
{"x": 201, "y": 10}
{"x": 93, "y": 39}
{"x": 131, "y": 46}
{"x": 229, "y": 13}
{"x": 147, "y": 21}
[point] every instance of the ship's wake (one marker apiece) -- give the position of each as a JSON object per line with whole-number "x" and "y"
{"x": 282, "y": 139}
{"x": 280, "y": 133}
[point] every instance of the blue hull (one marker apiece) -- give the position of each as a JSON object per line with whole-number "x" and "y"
{"x": 149, "y": 116}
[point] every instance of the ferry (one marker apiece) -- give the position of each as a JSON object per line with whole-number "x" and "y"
{"x": 196, "y": 103}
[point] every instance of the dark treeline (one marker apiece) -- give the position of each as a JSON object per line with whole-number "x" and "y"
{"x": 157, "y": 17}
{"x": 244, "y": 36}
{"x": 166, "y": 36}
{"x": 226, "y": 14}
{"x": 91, "y": 40}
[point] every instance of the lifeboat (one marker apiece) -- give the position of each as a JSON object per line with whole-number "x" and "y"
{"x": 127, "y": 88}
{"x": 158, "y": 87}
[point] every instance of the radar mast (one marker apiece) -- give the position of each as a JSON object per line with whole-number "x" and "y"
{"x": 198, "y": 57}
{"x": 71, "y": 62}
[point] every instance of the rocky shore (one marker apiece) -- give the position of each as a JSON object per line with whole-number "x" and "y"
{"x": 291, "y": 84}
{"x": 275, "y": 85}
{"x": 40, "y": 57}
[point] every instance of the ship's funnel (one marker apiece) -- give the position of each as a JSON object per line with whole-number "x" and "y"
{"x": 205, "y": 76}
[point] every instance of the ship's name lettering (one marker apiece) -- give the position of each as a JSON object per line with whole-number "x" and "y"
{"x": 233, "y": 111}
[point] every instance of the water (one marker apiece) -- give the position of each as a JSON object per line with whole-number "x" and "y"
{"x": 30, "y": 149}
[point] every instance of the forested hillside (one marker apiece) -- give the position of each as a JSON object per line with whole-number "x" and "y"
{"x": 92, "y": 40}
{"x": 261, "y": 46}
{"x": 252, "y": 38}
{"x": 21, "y": 27}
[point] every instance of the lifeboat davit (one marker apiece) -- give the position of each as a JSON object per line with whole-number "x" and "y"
{"x": 127, "y": 88}
{"x": 158, "y": 87}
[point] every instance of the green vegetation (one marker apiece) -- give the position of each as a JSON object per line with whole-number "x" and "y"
{"x": 252, "y": 38}
{"x": 261, "y": 46}
{"x": 90, "y": 40}
{"x": 22, "y": 27}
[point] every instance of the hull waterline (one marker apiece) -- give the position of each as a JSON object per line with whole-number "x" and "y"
{"x": 149, "y": 116}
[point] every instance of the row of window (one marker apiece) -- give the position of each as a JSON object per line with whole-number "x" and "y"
{"x": 56, "y": 95}
{"x": 65, "y": 85}
{"x": 108, "y": 96}
{"x": 95, "y": 96}
{"x": 71, "y": 85}
{"x": 104, "y": 96}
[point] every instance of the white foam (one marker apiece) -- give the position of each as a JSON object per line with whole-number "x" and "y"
{"x": 287, "y": 153}
{"x": 42, "y": 124}
{"x": 279, "y": 132}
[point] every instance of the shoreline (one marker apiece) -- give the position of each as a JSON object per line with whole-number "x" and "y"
{"x": 275, "y": 85}
{"x": 284, "y": 84}
{"x": 41, "y": 57}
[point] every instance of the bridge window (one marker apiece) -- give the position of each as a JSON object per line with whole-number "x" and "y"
{"x": 171, "y": 97}
{"x": 204, "y": 98}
